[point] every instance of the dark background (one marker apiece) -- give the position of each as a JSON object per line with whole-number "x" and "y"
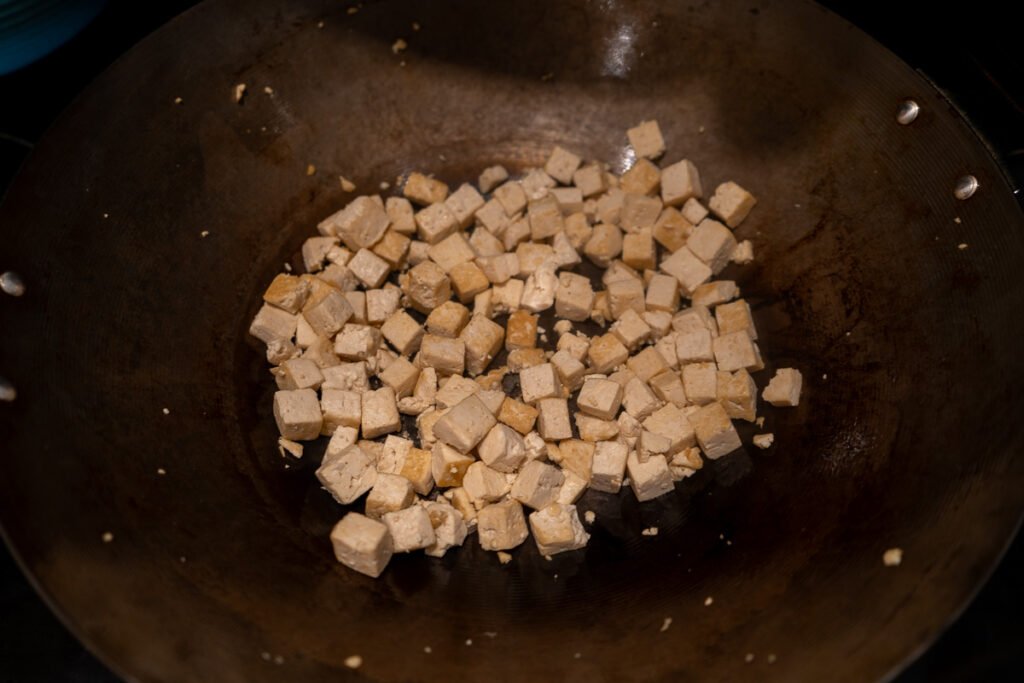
{"x": 971, "y": 52}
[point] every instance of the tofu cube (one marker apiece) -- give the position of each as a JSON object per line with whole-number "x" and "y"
{"x": 784, "y": 388}
{"x": 402, "y": 332}
{"x": 712, "y": 243}
{"x": 605, "y": 244}
{"x": 393, "y": 248}
{"x": 461, "y": 501}
{"x": 606, "y": 353}
{"x": 491, "y": 176}
{"x": 449, "y": 527}
{"x": 300, "y": 373}
{"x": 609, "y": 466}
{"x": 465, "y": 425}
{"x": 357, "y": 342}
{"x": 520, "y": 359}
{"x": 594, "y": 430}
{"x": 401, "y": 376}
{"x": 630, "y": 328}
{"x": 695, "y": 346}
{"x": 482, "y": 339}
{"x": 680, "y": 182}
{"x": 347, "y": 376}
{"x": 451, "y": 251}
{"x": 666, "y": 346}
{"x": 638, "y": 250}
{"x": 532, "y": 256}
{"x": 649, "y": 444}
{"x": 590, "y": 179}
{"x": 435, "y": 222}
{"x": 649, "y": 479}
{"x": 735, "y": 317}
{"x": 493, "y": 218}
{"x": 646, "y": 364}
{"x": 424, "y": 190}
{"x": 600, "y": 398}
{"x": 570, "y": 370}
{"x": 517, "y": 415}
{"x": 696, "y": 317}
{"x": 572, "y": 489}
{"x": 731, "y": 203}
{"x": 557, "y": 529}
{"x": 715, "y": 432}
{"x": 540, "y": 288}
{"x": 381, "y": 303}
{"x": 671, "y": 423}
{"x": 662, "y": 294}
{"x": 427, "y": 286}
{"x": 536, "y": 183}
{"x": 273, "y": 324}
{"x": 361, "y": 224}
{"x": 416, "y": 469}
{"x": 669, "y": 388}
{"x": 736, "y": 350}
{"x": 340, "y": 408}
{"x": 400, "y": 212}
{"x": 511, "y": 198}
{"x": 646, "y": 140}
{"x": 693, "y": 211}
{"x": 464, "y": 203}
{"x": 347, "y": 475}
{"x": 639, "y": 212}
{"x": 314, "y": 252}
{"x": 390, "y": 493}
{"x": 507, "y": 297}
{"x": 357, "y": 300}
{"x": 503, "y": 449}
{"x": 288, "y": 292}
{"x": 448, "y": 319}
{"x": 743, "y": 253}
{"x": 638, "y": 400}
{"x": 566, "y": 255}
{"x": 410, "y": 529}
{"x": 553, "y": 422}
{"x": 537, "y": 485}
{"x": 609, "y": 206}
{"x": 484, "y": 485}
{"x": 326, "y": 311}
{"x": 577, "y": 458}
{"x": 561, "y": 165}
{"x": 501, "y": 526}
{"x": 738, "y": 395}
{"x": 625, "y": 295}
{"x": 447, "y": 356}
{"x": 539, "y": 381}
{"x": 671, "y": 229}
{"x": 576, "y": 345}
{"x": 578, "y": 230}
{"x": 448, "y": 466}
{"x": 574, "y": 298}
{"x": 517, "y": 232}
{"x": 454, "y": 390}
{"x": 498, "y": 268}
{"x": 425, "y": 425}
{"x": 689, "y": 270}
{"x": 521, "y": 331}
{"x": 417, "y": 252}
{"x": 642, "y": 178}
{"x": 362, "y": 544}
{"x": 486, "y": 244}
{"x": 700, "y": 381}
{"x": 714, "y": 293}
{"x": 297, "y": 414}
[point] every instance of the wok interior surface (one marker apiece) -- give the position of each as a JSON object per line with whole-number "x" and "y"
{"x": 221, "y": 569}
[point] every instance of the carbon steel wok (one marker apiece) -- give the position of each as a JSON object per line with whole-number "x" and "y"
{"x": 221, "y": 570}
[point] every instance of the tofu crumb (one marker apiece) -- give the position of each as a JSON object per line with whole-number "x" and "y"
{"x": 427, "y": 649}
{"x": 771, "y": 658}
{"x": 178, "y": 100}
{"x": 319, "y": 24}
{"x": 666, "y": 624}
{"x": 957, "y": 220}
{"x": 469, "y": 641}
{"x": 107, "y": 537}
{"x": 385, "y": 185}
{"x": 763, "y": 441}
{"x": 962, "y": 246}
{"x": 352, "y": 10}
{"x": 353, "y": 661}
{"x": 161, "y": 471}
{"x": 399, "y": 46}
{"x": 892, "y": 557}
{"x": 504, "y": 557}
{"x": 749, "y": 657}
{"x": 650, "y": 531}
{"x": 268, "y": 90}
{"x": 415, "y": 26}
{"x": 239, "y": 92}
{"x": 577, "y": 655}
{"x": 346, "y": 184}
{"x": 265, "y": 656}
{"x": 589, "y": 516}
{"x": 310, "y": 169}
{"x": 708, "y": 601}
{"x": 167, "y": 411}
{"x": 204, "y": 233}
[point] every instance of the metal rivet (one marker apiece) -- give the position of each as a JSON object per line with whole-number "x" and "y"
{"x": 907, "y": 112}
{"x": 11, "y": 283}
{"x": 965, "y": 187}
{"x": 7, "y": 391}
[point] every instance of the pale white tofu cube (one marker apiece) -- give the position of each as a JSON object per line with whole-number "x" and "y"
{"x": 538, "y": 382}
{"x": 672, "y": 423}
{"x": 639, "y": 212}
{"x": 491, "y": 176}
{"x": 347, "y": 376}
{"x": 662, "y": 293}
{"x": 273, "y": 324}
{"x": 347, "y": 475}
{"x": 503, "y": 449}
{"x": 565, "y": 254}
{"x": 696, "y": 317}
{"x": 465, "y": 425}
{"x": 448, "y": 466}
{"x": 630, "y": 328}
{"x": 712, "y": 243}
{"x": 649, "y": 479}
{"x": 499, "y": 268}
{"x": 694, "y": 346}
{"x": 572, "y": 489}
{"x": 714, "y": 430}
{"x": 424, "y": 394}
{"x": 482, "y": 304}
{"x": 647, "y": 364}
{"x": 553, "y": 419}
{"x": 693, "y": 211}
{"x": 493, "y": 216}
{"x": 464, "y": 203}
{"x": 600, "y": 398}
{"x": 417, "y": 252}
{"x": 649, "y": 444}
{"x": 517, "y": 232}
{"x": 735, "y": 317}
{"x": 569, "y": 199}
{"x": 506, "y": 297}
{"x": 424, "y": 190}
{"x": 609, "y": 205}
{"x": 454, "y": 390}
{"x": 357, "y": 300}
{"x": 342, "y": 438}
{"x": 300, "y": 373}
{"x": 536, "y": 183}
{"x": 393, "y": 453}
{"x": 402, "y": 332}
{"x": 593, "y": 429}
{"x": 671, "y": 229}
{"x": 486, "y": 244}
{"x": 357, "y": 342}
{"x": 340, "y": 408}
{"x": 425, "y": 425}
{"x": 427, "y": 286}
{"x": 447, "y": 356}
{"x": 401, "y": 215}
{"x": 501, "y": 526}
{"x": 532, "y": 255}
{"x": 700, "y": 382}
{"x": 638, "y": 400}
{"x": 575, "y": 344}
{"x": 536, "y": 448}
{"x": 484, "y": 485}
{"x": 361, "y": 224}
{"x": 557, "y": 528}
{"x": 537, "y": 485}
{"x": 660, "y": 322}
{"x": 731, "y": 203}
{"x": 784, "y": 388}
{"x": 297, "y": 413}
{"x": 362, "y": 544}
{"x": 393, "y": 248}
{"x": 327, "y": 311}
{"x": 482, "y": 339}
{"x": 666, "y": 346}
{"x": 561, "y": 165}
{"x": 736, "y": 350}
{"x": 435, "y": 222}
{"x": 738, "y": 395}
{"x": 401, "y": 376}
{"x": 390, "y": 493}
{"x": 574, "y": 297}
{"x": 680, "y": 182}
{"x": 287, "y": 292}
{"x": 713, "y": 293}
{"x": 448, "y": 319}
{"x": 646, "y": 140}
{"x": 669, "y": 388}
{"x": 609, "y": 466}
{"x": 449, "y": 527}
{"x": 578, "y": 230}
{"x": 687, "y": 269}
{"x": 590, "y": 180}
{"x": 570, "y": 370}
{"x": 606, "y": 353}
{"x": 380, "y": 413}
{"x": 743, "y": 253}
{"x": 410, "y": 529}
{"x": 605, "y": 244}
{"x": 539, "y": 290}
{"x": 451, "y": 251}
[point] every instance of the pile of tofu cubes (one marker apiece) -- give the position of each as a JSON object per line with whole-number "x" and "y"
{"x": 407, "y": 302}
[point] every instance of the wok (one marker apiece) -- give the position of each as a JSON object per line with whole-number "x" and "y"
{"x": 220, "y": 568}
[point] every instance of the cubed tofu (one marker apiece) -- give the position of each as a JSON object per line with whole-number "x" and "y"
{"x": 357, "y": 300}
{"x": 590, "y": 179}
{"x": 347, "y": 475}
{"x": 783, "y": 389}
{"x": 561, "y": 165}
{"x": 630, "y": 328}
{"x": 362, "y": 544}
{"x": 393, "y": 248}
{"x": 649, "y": 479}
{"x": 361, "y": 224}
{"x": 314, "y": 253}
{"x": 714, "y": 430}
{"x": 638, "y": 250}
{"x": 501, "y": 526}
{"x": 454, "y": 390}
{"x": 520, "y": 359}
{"x": 687, "y": 269}
{"x": 464, "y": 203}
{"x": 600, "y": 398}
{"x": 447, "y": 356}
{"x": 735, "y": 317}
{"x": 647, "y": 364}
{"x": 417, "y": 252}
{"x": 491, "y": 176}
{"x": 671, "y": 229}
{"x": 671, "y": 423}
{"x": 537, "y": 484}
{"x": 572, "y": 489}
{"x": 577, "y": 458}
{"x": 326, "y": 311}
{"x": 448, "y": 319}
{"x": 609, "y": 466}
{"x": 493, "y": 218}
{"x": 625, "y": 295}
{"x": 539, "y": 381}
{"x": 451, "y": 251}
{"x": 545, "y": 216}
{"x": 287, "y": 292}
{"x": 638, "y": 400}
{"x": 536, "y": 183}
{"x": 738, "y": 395}
{"x": 484, "y": 485}
{"x": 461, "y": 501}
{"x": 594, "y": 429}
{"x": 340, "y": 408}
{"x": 410, "y": 529}
{"x": 565, "y": 254}
{"x": 402, "y": 332}
{"x": 300, "y": 373}
{"x": 700, "y": 381}
{"x": 570, "y": 370}
{"x": 662, "y": 293}
{"x": 486, "y": 244}
{"x": 273, "y": 324}
{"x": 498, "y": 268}
{"x": 642, "y": 178}
{"x": 639, "y": 212}
{"x": 696, "y": 317}
{"x": 553, "y": 421}
{"x": 401, "y": 214}
{"x": 539, "y": 290}
{"x": 357, "y": 342}
{"x": 380, "y": 413}
{"x": 502, "y": 449}
{"x": 713, "y": 293}
{"x": 347, "y": 376}
{"x": 574, "y": 297}
{"x": 449, "y": 527}
{"x": 694, "y": 346}
{"x": 649, "y": 444}
{"x": 448, "y": 466}
{"x": 381, "y": 304}
{"x": 424, "y": 190}
{"x": 435, "y": 222}
{"x": 521, "y": 331}
{"x": 390, "y": 493}
{"x": 743, "y": 253}
{"x": 578, "y": 230}
{"x": 669, "y": 388}
{"x": 557, "y": 529}
{"x": 465, "y": 425}
{"x": 532, "y": 255}
{"x": 517, "y": 232}
{"x": 575, "y": 344}
{"x": 297, "y": 413}
{"x": 712, "y": 243}
{"x": 737, "y": 350}
{"x": 609, "y": 206}
{"x": 606, "y": 353}
{"x": 511, "y": 198}
{"x": 401, "y": 376}
{"x": 517, "y": 415}
{"x": 425, "y": 425}
{"x": 604, "y": 245}
{"x": 731, "y": 203}
{"x": 427, "y": 286}
{"x": 680, "y": 182}
{"x": 693, "y": 211}
{"x": 482, "y": 339}
{"x": 339, "y": 276}
{"x": 667, "y": 348}
{"x": 646, "y": 140}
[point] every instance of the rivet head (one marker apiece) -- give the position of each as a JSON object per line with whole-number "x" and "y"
{"x": 965, "y": 187}
{"x": 908, "y": 111}
{"x": 7, "y": 391}
{"x": 11, "y": 283}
